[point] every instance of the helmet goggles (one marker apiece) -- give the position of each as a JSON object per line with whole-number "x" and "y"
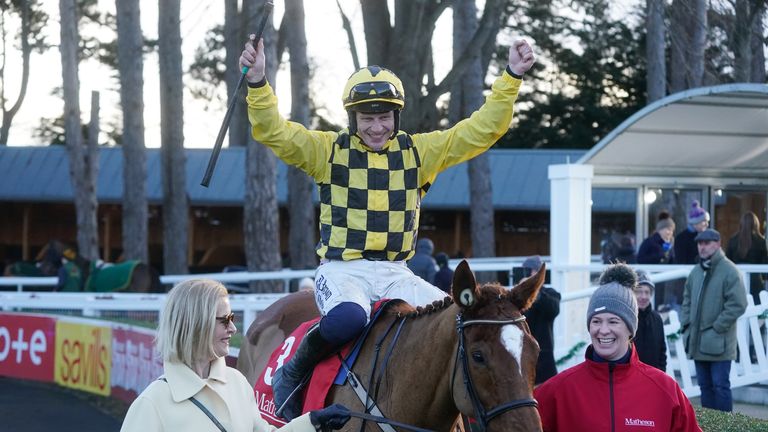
{"x": 374, "y": 91}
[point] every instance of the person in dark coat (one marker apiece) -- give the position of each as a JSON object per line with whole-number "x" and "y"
{"x": 650, "y": 342}
{"x": 748, "y": 247}
{"x": 685, "y": 248}
{"x": 422, "y": 264}
{"x": 540, "y": 318}
{"x": 657, "y": 249}
{"x": 444, "y": 276}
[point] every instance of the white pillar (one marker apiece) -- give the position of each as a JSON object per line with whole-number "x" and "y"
{"x": 570, "y": 232}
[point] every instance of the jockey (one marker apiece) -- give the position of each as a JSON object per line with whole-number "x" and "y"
{"x": 372, "y": 177}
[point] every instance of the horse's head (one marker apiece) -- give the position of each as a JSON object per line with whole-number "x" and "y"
{"x": 49, "y": 258}
{"x": 495, "y": 370}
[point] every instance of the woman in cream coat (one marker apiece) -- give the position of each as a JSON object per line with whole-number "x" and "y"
{"x": 193, "y": 339}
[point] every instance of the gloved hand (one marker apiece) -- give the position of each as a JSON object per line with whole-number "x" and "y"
{"x": 666, "y": 246}
{"x": 333, "y": 417}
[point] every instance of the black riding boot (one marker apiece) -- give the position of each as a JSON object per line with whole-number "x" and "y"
{"x": 311, "y": 350}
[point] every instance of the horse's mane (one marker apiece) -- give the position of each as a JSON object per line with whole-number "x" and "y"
{"x": 403, "y": 309}
{"x": 488, "y": 292}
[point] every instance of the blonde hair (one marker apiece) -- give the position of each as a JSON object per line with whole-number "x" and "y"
{"x": 187, "y": 324}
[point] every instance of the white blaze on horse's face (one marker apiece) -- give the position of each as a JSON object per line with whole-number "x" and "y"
{"x": 512, "y": 339}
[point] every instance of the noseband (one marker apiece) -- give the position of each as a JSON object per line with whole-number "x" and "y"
{"x": 483, "y": 416}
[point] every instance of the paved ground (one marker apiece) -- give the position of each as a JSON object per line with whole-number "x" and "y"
{"x": 36, "y": 407}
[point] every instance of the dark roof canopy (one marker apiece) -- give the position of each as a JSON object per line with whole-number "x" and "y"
{"x": 519, "y": 179}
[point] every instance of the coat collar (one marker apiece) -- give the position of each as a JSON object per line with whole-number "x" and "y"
{"x": 185, "y": 383}
{"x": 600, "y": 370}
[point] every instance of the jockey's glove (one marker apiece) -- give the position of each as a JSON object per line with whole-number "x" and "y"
{"x": 333, "y": 417}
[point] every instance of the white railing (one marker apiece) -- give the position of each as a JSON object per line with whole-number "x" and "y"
{"x": 751, "y": 338}
{"x": 751, "y": 328}
{"x": 505, "y": 264}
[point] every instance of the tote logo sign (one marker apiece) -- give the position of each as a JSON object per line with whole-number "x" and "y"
{"x": 83, "y": 357}
{"x": 26, "y": 346}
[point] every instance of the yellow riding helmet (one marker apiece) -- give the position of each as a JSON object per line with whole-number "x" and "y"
{"x": 373, "y": 89}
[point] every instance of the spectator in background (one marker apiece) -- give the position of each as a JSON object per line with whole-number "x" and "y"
{"x": 540, "y": 317}
{"x": 713, "y": 300}
{"x": 657, "y": 249}
{"x": 650, "y": 341}
{"x": 619, "y": 247}
{"x": 686, "y": 251}
{"x": 422, "y": 264}
{"x": 444, "y": 276}
{"x": 748, "y": 247}
{"x": 306, "y": 284}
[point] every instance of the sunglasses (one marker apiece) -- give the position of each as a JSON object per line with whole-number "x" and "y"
{"x": 226, "y": 319}
{"x": 375, "y": 89}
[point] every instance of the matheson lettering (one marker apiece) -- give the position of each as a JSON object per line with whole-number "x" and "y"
{"x": 639, "y": 422}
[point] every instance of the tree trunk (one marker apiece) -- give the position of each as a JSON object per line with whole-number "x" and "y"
{"x": 467, "y": 97}
{"x": 175, "y": 201}
{"x": 688, "y": 34}
{"x": 301, "y": 209}
{"x": 679, "y": 39}
{"x": 656, "y": 74}
{"x": 377, "y": 30}
{"x": 236, "y": 29}
{"x": 406, "y": 49}
{"x": 758, "y": 45}
{"x": 741, "y": 37}
{"x": 82, "y": 160}
{"x": 261, "y": 215}
{"x": 130, "y": 60}
{"x": 698, "y": 43}
{"x": 26, "y": 50}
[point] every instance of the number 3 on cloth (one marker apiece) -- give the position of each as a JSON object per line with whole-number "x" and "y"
{"x": 285, "y": 350}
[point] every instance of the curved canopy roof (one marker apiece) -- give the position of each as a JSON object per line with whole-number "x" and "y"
{"x": 719, "y": 131}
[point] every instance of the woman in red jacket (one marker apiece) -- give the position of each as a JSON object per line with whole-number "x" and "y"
{"x": 612, "y": 390}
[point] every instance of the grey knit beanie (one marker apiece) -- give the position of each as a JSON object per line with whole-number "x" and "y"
{"x": 616, "y": 299}
{"x": 644, "y": 279}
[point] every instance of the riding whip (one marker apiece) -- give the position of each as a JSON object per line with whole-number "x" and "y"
{"x": 267, "y": 9}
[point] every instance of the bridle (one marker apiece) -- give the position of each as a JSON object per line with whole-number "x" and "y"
{"x": 482, "y": 415}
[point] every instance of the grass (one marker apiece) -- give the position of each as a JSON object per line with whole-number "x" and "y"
{"x": 719, "y": 421}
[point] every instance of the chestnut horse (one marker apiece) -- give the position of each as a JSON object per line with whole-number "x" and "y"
{"x": 472, "y": 355}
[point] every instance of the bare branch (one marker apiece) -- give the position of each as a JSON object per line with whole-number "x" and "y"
{"x": 485, "y": 31}
{"x": 282, "y": 37}
{"x": 350, "y": 36}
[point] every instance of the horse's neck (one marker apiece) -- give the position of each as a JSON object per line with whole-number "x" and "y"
{"x": 435, "y": 332}
{"x": 418, "y": 375}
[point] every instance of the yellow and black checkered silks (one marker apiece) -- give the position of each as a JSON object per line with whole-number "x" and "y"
{"x": 370, "y": 200}
{"x": 369, "y": 208}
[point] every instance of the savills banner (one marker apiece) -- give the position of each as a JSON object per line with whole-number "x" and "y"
{"x": 83, "y": 357}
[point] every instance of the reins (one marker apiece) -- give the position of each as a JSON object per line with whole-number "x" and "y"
{"x": 378, "y": 419}
{"x": 481, "y": 414}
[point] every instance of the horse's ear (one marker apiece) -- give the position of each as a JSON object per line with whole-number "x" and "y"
{"x": 524, "y": 294}
{"x": 464, "y": 289}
